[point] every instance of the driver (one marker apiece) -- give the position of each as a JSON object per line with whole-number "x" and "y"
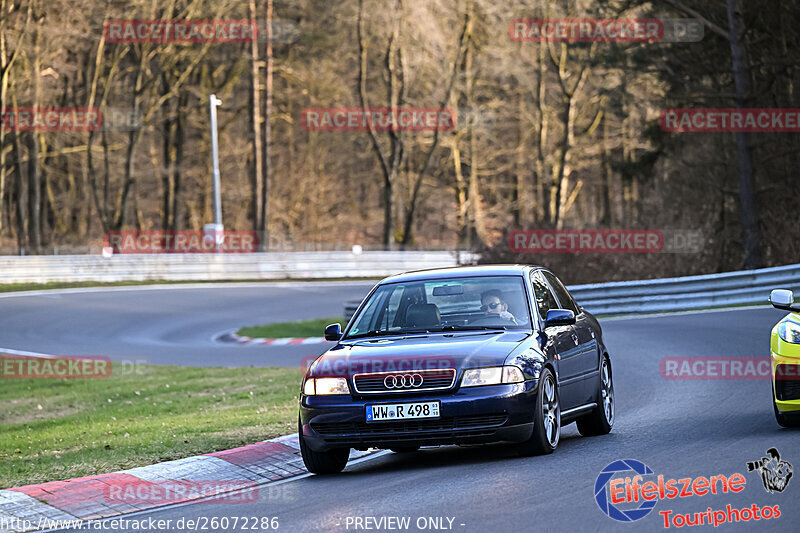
{"x": 492, "y": 305}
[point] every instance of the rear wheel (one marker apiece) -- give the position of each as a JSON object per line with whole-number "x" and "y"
{"x": 547, "y": 418}
{"x": 601, "y": 419}
{"x": 330, "y": 462}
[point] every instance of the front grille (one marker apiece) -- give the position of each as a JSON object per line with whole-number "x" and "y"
{"x": 362, "y": 429}
{"x": 404, "y": 382}
{"x": 787, "y": 386}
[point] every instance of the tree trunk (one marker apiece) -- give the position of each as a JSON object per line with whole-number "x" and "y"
{"x": 168, "y": 150}
{"x": 264, "y": 215}
{"x": 560, "y": 175}
{"x": 21, "y": 194}
{"x": 133, "y": 139}
{"x": 542, "y": 205}
{"x": 749, "y": 210}
{"x": 462, "y": 220}
{"x": 35, "y": 194}
{"x": 521, "y": 200}
{"x": 6, "y": 62}
{"x": 21, "y": 186}
{"x": 127, "y": 184}
{"x": 34, "y": 171}
{"x": 390, "y": 165}
{"x": 177, "y": 168}
{"x": 89, "y": 173}
{"x": 256, "y": 176}
{"x": 4, "y": 71}
{"x": 463, "y": 50}
{"x": 606, "y": 200}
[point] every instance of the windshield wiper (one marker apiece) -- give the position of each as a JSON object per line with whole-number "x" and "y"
{"x": 374, "y": 333}
{"x": 385, "y": 333}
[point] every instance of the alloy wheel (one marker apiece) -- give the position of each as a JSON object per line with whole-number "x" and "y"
{"x": 607, "y": 392}
{"x": 551, "y": 414}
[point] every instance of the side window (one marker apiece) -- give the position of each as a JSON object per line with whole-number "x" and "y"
{"x": 562, "y": 293}
{"x": 381, "y": 311}
{"x": 390, "y": 314}
{"x": 544, "y": 298}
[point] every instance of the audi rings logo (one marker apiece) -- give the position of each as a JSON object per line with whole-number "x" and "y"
{"x": 403, "y": 381}
{"x": 620, "y": 469}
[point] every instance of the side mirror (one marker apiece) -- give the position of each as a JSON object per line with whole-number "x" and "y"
{"x": 559, "y": 317}
{"x": 333, "y": 332}
{"x": 782, "y": 299}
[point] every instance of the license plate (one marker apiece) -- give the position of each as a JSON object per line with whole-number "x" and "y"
{"x": 402, "y": 411}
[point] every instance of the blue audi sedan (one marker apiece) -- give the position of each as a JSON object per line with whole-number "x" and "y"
{"x": 465, "y": 355}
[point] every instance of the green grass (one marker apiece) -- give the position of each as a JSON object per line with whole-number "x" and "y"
{"x": 301, "y": 328}
{"x": 60, "y": 429}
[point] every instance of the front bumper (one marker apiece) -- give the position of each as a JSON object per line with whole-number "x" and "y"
{"x": 786, "y": 388}
{"x": 472, "y": 415}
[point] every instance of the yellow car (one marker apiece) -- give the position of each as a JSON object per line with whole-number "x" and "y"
{"x": 785, "y": 352}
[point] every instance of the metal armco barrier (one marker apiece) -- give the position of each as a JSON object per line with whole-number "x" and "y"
{"x": 214, "y": 267}
{"x": 690, "y": 292}
{"x": 623, "y": 297}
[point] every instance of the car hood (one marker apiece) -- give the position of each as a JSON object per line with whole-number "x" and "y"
{"x": 418, "y": 352}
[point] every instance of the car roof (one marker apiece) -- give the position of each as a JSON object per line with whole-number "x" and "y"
{"x": 460, "y": 272}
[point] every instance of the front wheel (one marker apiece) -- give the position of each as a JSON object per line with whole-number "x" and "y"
{"x": 330, "y": 462}
{"x": 546, "y": 420}
{"x": 601, "y": 419}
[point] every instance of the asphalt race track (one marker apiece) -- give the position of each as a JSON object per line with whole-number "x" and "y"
{"x": 169, "y": 325}
{"x": 680, "y": 429}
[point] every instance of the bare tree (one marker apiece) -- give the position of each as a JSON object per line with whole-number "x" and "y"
{"x": 749, "y": 211}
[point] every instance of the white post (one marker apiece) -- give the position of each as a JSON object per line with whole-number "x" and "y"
{"x": 213, "y": 103}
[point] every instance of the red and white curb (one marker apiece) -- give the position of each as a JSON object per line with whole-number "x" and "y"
{"x": 281, "y": 341}
{"x": 61, "y": 503}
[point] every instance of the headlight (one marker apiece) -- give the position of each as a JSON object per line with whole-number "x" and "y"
{"x": 789, "y": 331}
{"x": 325, "y": 386}
{"x": 495, "y": 375}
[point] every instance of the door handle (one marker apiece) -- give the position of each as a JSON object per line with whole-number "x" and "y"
{"x": 575, "y": 338}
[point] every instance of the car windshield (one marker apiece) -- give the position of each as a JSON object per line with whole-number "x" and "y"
{"x": 473, "y": 303}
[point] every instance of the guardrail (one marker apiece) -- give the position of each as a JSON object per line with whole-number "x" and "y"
{"x": 677, "y": 294}
{"x": 618, "y": 298}
{"x": 690, "y": 292}
{"x": 211, "y": 267}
